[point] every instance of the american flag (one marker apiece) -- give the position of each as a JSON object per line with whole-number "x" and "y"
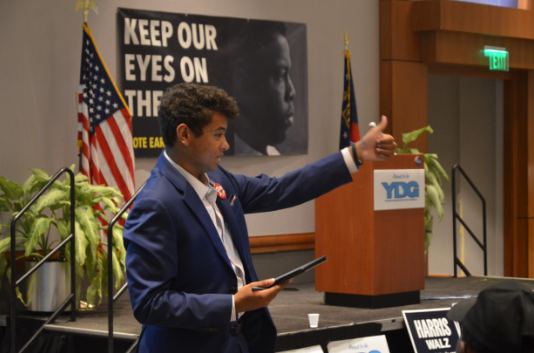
{"x": 105, "y": 124}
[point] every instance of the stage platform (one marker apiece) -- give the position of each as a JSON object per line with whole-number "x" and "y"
{"x": 290, "y": 314}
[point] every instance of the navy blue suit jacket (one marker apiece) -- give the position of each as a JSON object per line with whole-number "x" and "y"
{"x": 180, "y": 280}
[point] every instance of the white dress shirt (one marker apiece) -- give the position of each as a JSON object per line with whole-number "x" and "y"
{"x": 208, "y": 195}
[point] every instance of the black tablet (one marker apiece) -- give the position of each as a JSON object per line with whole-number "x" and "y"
{"x": 294, "y": 273}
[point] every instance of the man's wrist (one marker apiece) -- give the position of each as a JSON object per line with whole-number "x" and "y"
{"x": 355, "y": 155}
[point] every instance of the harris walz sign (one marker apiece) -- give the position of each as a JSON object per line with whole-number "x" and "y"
{"x": 262, "y": 64}
{"x": 431, "y": 331}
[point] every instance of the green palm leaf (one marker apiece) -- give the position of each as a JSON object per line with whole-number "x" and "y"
{"x": 87, "y": 220}
{"x": 414, "y": 135}
{"x": 80, "y": 178}
{"x": 104, "y": 190}
{"x": 435, "y": 181}
{"x": 5, "y": 205}
{"x": 117, "y": 269}
{"x": 109, "y": 203}
{"x": 433, "y": 162}
{"x": 40, "y": 174}
{"x": 39, "y": 227}
{"x": 433, "y": 196}
{"x": 29, "y": 184}
{"x": 81, "y": 243}
{"x": 62, "y": 228}
{"x": 17, "y": 290}
{"x": 48, "y": 199}
{"x": 91, "y": 261}
{"x": 59, "y": 205}
{"x": 12, "y": 190}
{"x": 118, "y": 242}
{"x": 95, "y": 289}
{"x": 5, "y": 245}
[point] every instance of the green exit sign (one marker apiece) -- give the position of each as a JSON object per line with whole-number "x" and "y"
{"x": 498, "y": 58}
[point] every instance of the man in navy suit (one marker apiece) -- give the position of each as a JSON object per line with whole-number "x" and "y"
{"x": 189, "y": 267}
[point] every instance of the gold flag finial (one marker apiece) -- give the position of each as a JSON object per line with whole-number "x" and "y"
{"x": 87, "y": 5}
{"x": 346, "y": 40}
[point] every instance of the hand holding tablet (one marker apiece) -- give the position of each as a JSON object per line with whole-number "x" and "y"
{"x": 293, "y": 273}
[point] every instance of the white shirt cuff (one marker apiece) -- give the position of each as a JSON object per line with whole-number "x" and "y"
{"x": 232, "y": 318}
{"x": 349, "y": 160}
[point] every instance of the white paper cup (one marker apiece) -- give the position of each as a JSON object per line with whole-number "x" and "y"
{"x": 314, "y": 320}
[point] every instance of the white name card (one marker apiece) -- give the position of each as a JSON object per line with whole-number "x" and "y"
{"x": 314, "y": 349}
{"x": 360, "y": 345}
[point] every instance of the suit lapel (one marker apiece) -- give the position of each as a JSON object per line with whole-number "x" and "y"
{"x": 192, "y": 200}
{"x": 229, "y": 217}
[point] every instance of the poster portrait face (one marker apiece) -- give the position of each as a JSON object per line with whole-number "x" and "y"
{"x": 261, "y": 64}
{"x": 262, "y": 86}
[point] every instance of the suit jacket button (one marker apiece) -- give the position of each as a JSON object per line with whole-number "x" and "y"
{"x": 233, "y": 331}
{"x": 232, "y": 290}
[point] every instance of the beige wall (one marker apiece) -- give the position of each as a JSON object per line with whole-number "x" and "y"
{"x": 467, "y": 116}
{"x": 40, "y": 52}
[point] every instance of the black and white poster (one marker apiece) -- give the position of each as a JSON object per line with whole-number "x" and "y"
{"x": 262, "y": 64}
{"x": 431, "y": 331}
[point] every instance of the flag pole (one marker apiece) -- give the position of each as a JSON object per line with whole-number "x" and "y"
{"x": 349, "y": 132}
{"x": 79, "y": 143}
{"x": 87, "y": 5}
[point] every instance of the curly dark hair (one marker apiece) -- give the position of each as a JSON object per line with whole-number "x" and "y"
{"x": 193, "y": 105}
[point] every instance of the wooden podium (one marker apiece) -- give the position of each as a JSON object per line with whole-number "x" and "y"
{"x": 375, "y": 258}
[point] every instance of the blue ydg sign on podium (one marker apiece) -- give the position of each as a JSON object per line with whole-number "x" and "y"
{"x": 399, "y": 189}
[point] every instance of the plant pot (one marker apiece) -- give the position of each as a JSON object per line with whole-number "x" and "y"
{"x": 48, "y": 287}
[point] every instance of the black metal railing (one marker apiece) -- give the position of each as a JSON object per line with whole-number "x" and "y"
{"x": 110, "y": 275}
{"x": 14, "y": 284}
{"x": 456, "y": 216}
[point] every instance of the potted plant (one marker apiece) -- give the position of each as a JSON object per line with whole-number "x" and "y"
{"x": 434, "y": 195}
{"x": 51, "y": 213}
